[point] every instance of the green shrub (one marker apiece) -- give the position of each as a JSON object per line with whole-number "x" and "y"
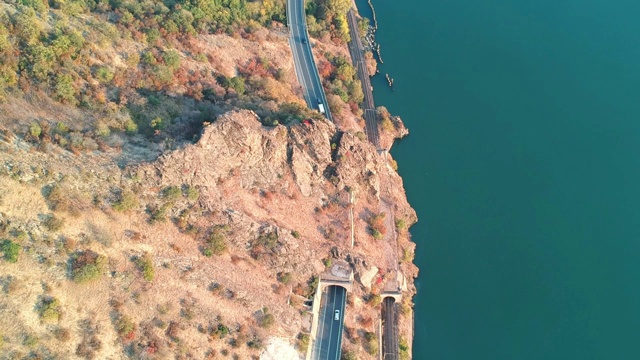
{"x": 35, "y": 130}
{"x": 49, "y": 309}
{"x": 237, "y": 83}
{"x": 403, "y": 346}
{"x": 73, "y": 7}
{"x": 303, "y": 342}
{"x": 295, "y": 234}
{"x": 62, "y": 334}
{"x": 405, "y": 306}
{"x": 30, "y": 340}
{"x": 11, "y": 251}
{"x": 267, "y": 319}
{"x": 101, "y": 129}
{"x": 349, "y": 355}
{"x": 172, "y": 193}
{"x": 148, "y": 58}
{"x": 20, "y": 235}
{"x": 53, "y": 223}
{"x": 86, "y": 273}
{"x": 216, "y": 243}
{"x": 371, "y": 343}
{"x": 157, "y": 123}
{"x": 160, "y": 214}
{"x": 192, "y": 193}
{"x": 127, "y": 201}
{"x": 285, "y": 277}
{"x": 407, "y": 255}
{"x": 153, "y": 35}
{"x": 376, "y": 225}
{"x": 130, "y": 127}
{"x": 145, "y": 265}
{"x": 28, "y": 26}
{"x": 265, "y": 244}
{"x": 104, "y": 75}
{"x": 124, "y": 326}
{"x": 269, "y": 239}
{"x": 374, "y": 300}
{"x": 87, "y": 266}
{"x": 255, "y": 343}
{"x": 65, "y": 91}
{"x": 162, "y": 74}
{"x": 172, "y": 59}
{"x": 312, "y": 285}
{"x": 221, "y": 331}
{"x": 61, "y": 128}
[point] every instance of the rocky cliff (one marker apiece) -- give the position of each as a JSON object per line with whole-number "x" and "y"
{"x": 234, "y": 228}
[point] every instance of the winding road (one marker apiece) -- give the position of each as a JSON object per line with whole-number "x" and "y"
{"x": 305, "y": 65}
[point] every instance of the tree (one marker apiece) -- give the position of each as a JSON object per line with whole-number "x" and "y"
{"x": 42, "y": 59}
{"x": 172, "y": 59}
{"x": 338, "y": 7}
{"x": 355, "y": 90}
{"x": 28, "y": 25}
{"x": 104, "y": 75}
{"x": 237, "y": 83}
{"x": 65, "y": 92}
{"x": 346, "y": 72}
{"x": 163, "y": 74}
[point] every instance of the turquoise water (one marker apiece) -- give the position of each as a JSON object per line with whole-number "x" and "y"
{"x": 523, "y": 164}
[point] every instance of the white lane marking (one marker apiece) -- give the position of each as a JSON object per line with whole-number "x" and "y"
{"x": 299, "y": 71}
{"x": 320, "y": 332}
{"x": 295, "y": 32}
{"x": 339, "y": 339}
{"x": 308, "y": 72}
{"x": 343, "y": 302}
{"x": 316, "y": 75}
{"x": 331, "y": 327}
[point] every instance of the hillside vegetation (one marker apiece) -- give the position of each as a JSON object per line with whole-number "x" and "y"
{"x": 157, "y": 68}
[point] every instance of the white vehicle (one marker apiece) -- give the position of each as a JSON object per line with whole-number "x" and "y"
{"x": 320, "y": 106}
{"x": 336, "y": 315}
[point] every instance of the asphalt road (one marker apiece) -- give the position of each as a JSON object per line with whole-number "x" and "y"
{"x": 357, "y": 57}
{"x": 305, "y": 65}
{"x": 390, "y": 329}
{"x": 328, "y": 344}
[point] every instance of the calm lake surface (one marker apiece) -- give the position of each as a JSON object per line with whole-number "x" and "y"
{"x": 523, "y": 164}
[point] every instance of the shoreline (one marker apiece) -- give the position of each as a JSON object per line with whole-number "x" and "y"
{"x": 409, "y": 332}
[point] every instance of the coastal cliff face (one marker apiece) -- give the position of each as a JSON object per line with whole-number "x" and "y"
{"x": 234, "y": 228}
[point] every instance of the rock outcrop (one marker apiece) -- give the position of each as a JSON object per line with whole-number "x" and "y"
{"x": 237, "y": 144}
